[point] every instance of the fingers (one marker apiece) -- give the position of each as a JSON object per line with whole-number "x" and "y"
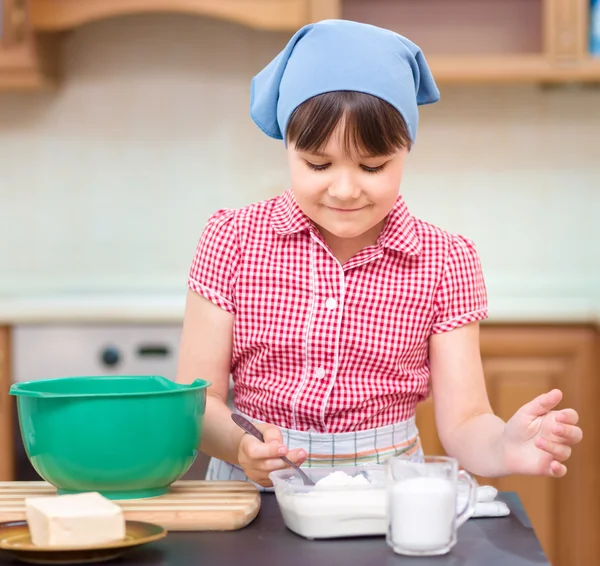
{"x": 259, "y": 459}
{"x": 557, "y": 469}
{"x": 256, "y": 450}
{"x": 295, "y": 456}
{"x": 567, "y": 416}
{"x": 271, "y": 433}
{"x": 258, "y": 470}
{"x": 271, "y": 447}
{"x": 298, "y": 456}
{"x": 567, "y": 434}
{"x": 268, "y": 466}
{"x": 544, "y": 403}
{"x": 557, "y": 450}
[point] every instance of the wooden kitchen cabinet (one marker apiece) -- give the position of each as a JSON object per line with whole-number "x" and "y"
{"x": 26, "y": 61}
{"x": 543, "y": 41}
{"x": 282, "y": 15}
{"x": 6, "y": 409}
{"x": 491, "y": 41}
{"x": 31, "y": 30}
{"x": 520, "y": 363}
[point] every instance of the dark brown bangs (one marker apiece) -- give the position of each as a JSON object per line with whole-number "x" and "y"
{"x": 372, "y": 126}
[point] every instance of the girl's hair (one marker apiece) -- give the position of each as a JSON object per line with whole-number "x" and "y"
{"x": 372, "y": 126}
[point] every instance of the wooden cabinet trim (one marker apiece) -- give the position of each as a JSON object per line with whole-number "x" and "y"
{"x": 6, "y": 409}
{"x": 15, "y": 23}
{"x": 536, "y": 339}
{"x": 27, "y": 61}
{"x": 565, "y": 29}
{"x": 325, "y": 10}
{"x": 60, "y": 15}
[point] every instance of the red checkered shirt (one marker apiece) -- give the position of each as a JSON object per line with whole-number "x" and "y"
{"x": 327, "y": 347}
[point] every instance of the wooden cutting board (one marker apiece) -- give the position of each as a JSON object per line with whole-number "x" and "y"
{"x": 191, "y": 505}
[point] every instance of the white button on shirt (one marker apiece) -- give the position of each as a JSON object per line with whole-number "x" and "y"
{"x": 320, "y": 373}
{"x": 331, "y": 304}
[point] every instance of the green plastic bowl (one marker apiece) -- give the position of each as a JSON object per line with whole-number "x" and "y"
{"x": 126, "y": 437}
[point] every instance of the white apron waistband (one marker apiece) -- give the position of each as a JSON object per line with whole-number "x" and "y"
{"x": 371, "y": 446}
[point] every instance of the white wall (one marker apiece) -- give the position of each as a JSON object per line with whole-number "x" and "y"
{"x": 106, "y": 183}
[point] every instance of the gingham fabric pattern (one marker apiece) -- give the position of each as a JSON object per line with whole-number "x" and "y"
{"x": 326, "y": 347}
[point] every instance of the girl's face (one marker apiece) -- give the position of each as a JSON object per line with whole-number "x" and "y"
{"x": 347, "y": 197}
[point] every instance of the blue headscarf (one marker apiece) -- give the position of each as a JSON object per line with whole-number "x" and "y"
{"x": 336, "y": 55}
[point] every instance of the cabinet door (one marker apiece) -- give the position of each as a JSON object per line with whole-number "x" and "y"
{"x": 565, "y": 25}
{"x": 13, "y": 23}
{"x": 6, "y": 408}
{"x": 512, "y": 381}
{"x": 521, "y": 363}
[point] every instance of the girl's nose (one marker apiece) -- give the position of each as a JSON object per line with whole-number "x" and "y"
{"x": 344, "y": 189}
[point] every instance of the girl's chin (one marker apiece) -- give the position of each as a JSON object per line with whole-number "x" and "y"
{"x": 345, "y": 232}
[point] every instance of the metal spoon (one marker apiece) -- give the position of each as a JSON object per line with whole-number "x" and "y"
{"x": 246, "y": 425}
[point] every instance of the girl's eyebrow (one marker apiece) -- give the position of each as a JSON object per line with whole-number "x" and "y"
{"x": 327, "y": 156}
{"x": 317, "y": 153}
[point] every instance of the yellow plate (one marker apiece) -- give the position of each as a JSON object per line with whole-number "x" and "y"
{"x": 15, "y": 538}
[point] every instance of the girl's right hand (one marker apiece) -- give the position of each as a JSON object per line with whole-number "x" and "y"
{"x": 258, "y": 458}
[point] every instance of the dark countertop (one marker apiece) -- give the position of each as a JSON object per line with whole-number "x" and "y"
{"x": 505, "y": 541}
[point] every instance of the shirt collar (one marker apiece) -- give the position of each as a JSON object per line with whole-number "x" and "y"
{"x": 398, "y": 233}
{"x": 287, "y": 217}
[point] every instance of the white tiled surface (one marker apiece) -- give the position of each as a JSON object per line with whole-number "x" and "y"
{"x": 106, "y": 184}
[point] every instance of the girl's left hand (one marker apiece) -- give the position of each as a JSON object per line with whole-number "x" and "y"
{"x": 537, "y": 440}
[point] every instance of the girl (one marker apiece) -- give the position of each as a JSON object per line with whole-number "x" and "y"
{"x": 333, "y": 308}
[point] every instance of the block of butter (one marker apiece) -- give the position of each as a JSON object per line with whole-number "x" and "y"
{"x": 81, "y": 519}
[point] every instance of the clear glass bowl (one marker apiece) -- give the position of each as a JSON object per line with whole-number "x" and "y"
{"x": 332, "y": 511}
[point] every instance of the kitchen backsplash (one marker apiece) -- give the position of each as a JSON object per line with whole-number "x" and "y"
{"x": 105, "y": 184}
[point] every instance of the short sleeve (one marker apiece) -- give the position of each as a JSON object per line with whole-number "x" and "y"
{"x": 216, "y": 260}
{"x": 461, "y": 296}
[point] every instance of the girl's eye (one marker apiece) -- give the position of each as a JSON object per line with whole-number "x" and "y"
{"x": 323, "y": 166}
{"x": 316, "y": 167}
{"x": 372, "y": 169}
